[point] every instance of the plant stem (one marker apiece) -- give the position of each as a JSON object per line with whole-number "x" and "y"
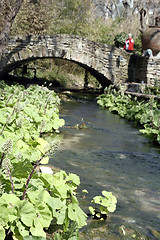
{"x": 10, "y": 179}
{"x": 30, "y": 176}
{"x": 9, "y": 100}
{"x": 3, "y": 155}
{"x": 45, "y": 108}
{"x": 18, "y": 99}
{"x": 3, "y": 128}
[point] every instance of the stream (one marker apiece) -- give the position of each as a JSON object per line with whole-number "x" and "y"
{"x": 110, "y": 154}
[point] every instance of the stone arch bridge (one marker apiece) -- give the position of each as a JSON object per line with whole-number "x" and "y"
{"x": 108, "y": 64}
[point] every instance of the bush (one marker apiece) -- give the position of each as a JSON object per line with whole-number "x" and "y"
{"x": 138, "y": 44}
{"x": 120, "y": 39}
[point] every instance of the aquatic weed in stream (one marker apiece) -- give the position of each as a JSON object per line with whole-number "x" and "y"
{"x": 103, "y": 205}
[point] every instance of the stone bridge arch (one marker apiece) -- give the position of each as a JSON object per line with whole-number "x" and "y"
{"x": 104, "y": 62}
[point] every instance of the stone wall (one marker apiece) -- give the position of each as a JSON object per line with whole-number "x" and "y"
{"x": 153, "y": 72}
{"x": 108, "y": 64}
{"x": 144, "y": 70}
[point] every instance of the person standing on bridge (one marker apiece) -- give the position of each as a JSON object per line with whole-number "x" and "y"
{"x": 129, "y": 43}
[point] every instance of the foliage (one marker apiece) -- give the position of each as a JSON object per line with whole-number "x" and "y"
{"x": 138, "y": 44}
{"x": 54, "y": 16}
{"x": 103, "y": 205}
{"x": 66, "y": 17}
{"x": 30, "y": 201}
{"x": 32, "y": 18}
{"x": 25, "y": 115}
{"x": 146, "y": 113}
{"x": 49, "y": 197}
{"x": 51, "y": 17}
{"x": 152, "y": 90}
{"x": 120, "y": 39}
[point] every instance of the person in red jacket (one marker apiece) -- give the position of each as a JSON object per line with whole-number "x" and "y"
{"x": 129, "y": 44}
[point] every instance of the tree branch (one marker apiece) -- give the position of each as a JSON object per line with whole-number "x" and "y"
{"x": 8, "y": 22}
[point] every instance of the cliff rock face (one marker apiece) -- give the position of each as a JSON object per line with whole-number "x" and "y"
{"x": 151, "y": 39}
{"x": 104, "y": 9}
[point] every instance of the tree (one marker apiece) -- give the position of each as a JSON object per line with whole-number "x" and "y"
{"x": 11, "y": 12}
{"x": 144, "y": 7}
{"x": 34, "y": 18}
{"x": 71, "y": 16}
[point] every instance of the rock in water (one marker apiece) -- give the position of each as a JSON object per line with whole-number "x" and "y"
{"x": 46, "y": 170}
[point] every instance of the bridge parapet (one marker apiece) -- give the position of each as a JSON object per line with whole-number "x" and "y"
{"x": 107, "y": 63}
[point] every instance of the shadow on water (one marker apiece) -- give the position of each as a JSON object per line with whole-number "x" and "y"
{"x": 111, "y": 154}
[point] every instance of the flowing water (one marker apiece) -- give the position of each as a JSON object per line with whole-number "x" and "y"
{"x": 111, "y": 154}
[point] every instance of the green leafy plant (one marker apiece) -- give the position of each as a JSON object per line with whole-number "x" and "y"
{"x": 153, "y": 90}
{"x": 32, "y": 202}
{"x": 120, "y": 39}
{"x": 26, "y": 114}
{"x": 138, "y": 44}
{"x": 29, "y": 205}
{"x": 34, "y": 215}
{"x": 103, "y": 205}
{"x": 145, "y": 113}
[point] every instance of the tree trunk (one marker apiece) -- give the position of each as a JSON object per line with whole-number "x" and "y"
{"x": 8, "y": 22}
{"x": 143, "y": 19}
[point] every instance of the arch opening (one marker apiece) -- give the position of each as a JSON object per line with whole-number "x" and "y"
{"x": 79, "y": 75}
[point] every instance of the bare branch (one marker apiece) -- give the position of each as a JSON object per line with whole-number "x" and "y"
{"x": 9, "y": 21}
